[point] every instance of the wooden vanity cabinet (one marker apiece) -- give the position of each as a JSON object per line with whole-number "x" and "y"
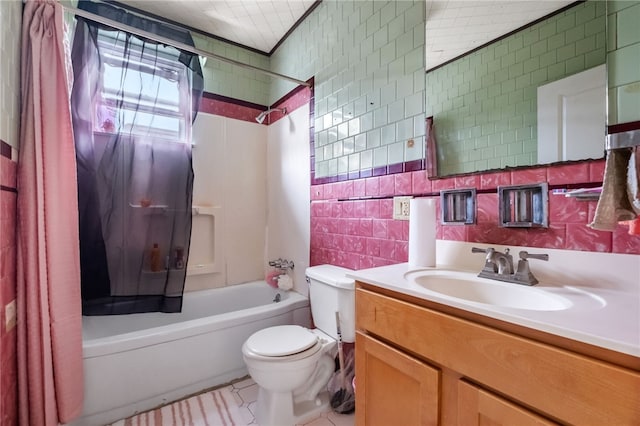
{"x": 418, "y": 365}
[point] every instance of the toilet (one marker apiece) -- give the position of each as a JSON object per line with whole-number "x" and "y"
{"x": 291, "y": 364}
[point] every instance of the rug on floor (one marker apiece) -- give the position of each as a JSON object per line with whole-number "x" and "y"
{"x": 215, "y": 408}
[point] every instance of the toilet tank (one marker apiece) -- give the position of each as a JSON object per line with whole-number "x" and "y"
{"x": 330, "y": 291}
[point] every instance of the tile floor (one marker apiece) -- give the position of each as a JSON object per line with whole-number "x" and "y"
{"x": 246, "y": 393}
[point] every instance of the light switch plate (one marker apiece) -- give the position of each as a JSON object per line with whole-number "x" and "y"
{"x": 401, "y": 208}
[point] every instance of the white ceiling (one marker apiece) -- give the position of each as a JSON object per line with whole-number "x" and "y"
{"x": 453, "y": 26}
{"x": 259, "y": 24}
{"x": 457, "y": 26}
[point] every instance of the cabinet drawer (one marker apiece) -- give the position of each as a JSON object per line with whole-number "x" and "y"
{"x": 561, "y": 384}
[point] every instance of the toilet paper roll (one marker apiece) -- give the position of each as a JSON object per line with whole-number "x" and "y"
{"x": 422, "y": 232}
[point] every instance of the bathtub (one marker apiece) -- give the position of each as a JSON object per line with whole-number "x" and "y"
{"x": 136, "y": 362}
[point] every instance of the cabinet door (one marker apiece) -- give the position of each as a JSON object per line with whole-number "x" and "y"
{"x": 393, "y": 388}
{"x": 479, "y": 407}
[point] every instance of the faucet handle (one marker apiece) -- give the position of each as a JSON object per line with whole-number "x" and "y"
{"x": 524, "y": 255}
{"x": 280, "y": 263}
{"x": 489, "y": 266}
{"x": 523, "y": 275}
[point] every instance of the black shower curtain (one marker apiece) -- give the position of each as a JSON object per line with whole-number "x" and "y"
{"x": 133, "y": 103}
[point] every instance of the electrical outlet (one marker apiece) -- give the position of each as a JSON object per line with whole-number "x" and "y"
{"x": 401, "y": 208}
{"x": 404, "y": 208}
{"x": 10, "y": 315}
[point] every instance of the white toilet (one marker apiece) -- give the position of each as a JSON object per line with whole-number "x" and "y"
{"x": 292, "y": 364}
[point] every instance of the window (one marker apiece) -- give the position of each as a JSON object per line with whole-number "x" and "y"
{"x": 140, "y": 91}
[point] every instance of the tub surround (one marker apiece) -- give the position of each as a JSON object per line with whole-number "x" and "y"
{"x": 288, "y": 204}
{"x": 230, "y": 170}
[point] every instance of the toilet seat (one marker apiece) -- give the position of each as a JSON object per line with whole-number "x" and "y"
{"x": 285, "y": 342}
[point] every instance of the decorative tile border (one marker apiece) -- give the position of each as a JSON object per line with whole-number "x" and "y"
{"x": 623, "y": 127}
{"x": 408, "y": 166}
{"x": 352, "y": 225}
{"x": 224, "y": 106}
{"x": 229, "y": 107}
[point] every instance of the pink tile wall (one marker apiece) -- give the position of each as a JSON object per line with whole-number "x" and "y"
{"x": 212, "y": 104}
{"x": 360, "y": 233}
{"x": 8, "y": 352}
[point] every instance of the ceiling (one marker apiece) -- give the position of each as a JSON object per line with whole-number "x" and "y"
{"x": 458, "y": 26}
{"x": 258, "y": 24}
{"x": 453, "y": 26}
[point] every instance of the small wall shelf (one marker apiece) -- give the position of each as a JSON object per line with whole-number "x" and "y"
{"x": 206, "y": 253}
{"x": 458, "y": 206}
{"x": 202, "y": 268}
{"x": 149, "y": 210}
{"x": 524, "y": 206}
{"x": 204, "y": 210}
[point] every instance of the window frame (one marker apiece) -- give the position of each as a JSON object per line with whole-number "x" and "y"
{"x": 145, "y": 58}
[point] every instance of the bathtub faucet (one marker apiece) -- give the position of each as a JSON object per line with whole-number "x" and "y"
{"x": 282, "y": 264}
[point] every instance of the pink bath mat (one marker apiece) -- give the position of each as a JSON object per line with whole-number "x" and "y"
{"x": 214, "y": 408}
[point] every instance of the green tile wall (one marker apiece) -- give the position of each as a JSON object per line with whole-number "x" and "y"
{"x": 623, "y": 61}
{"x": 232, "y": 81}
{"x": 484, "y": 104}
{"x": 367, "y": 58}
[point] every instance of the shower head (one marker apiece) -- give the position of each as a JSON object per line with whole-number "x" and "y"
{"x": 260, "y": 118}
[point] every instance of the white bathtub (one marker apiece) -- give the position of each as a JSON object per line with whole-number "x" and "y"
{"x": 136, "y": 362}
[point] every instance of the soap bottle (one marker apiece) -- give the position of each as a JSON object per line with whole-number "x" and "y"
{"x": 155, "y": 262}
{"x": 179, "y": 257}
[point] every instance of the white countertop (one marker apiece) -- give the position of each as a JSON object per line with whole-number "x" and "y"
{"x": 604, "y": 317}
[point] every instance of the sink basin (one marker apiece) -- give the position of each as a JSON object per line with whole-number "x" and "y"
{"x": 467, "y": 286}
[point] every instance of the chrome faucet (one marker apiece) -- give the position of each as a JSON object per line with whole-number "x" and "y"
{"x": 503, "y": 262}
{"x": 282, "y": 264}
{"x": 499, "y": 266}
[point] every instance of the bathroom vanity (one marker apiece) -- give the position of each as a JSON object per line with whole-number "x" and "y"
{"x": 427, "y": 359}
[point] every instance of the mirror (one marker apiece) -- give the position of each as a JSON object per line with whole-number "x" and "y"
{"x": 484, "y": 104}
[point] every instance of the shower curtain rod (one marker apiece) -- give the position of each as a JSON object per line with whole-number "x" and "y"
{"x": 176, "y": 44}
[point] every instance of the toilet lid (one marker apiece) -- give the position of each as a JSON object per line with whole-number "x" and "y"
{"x": 281, "y": 340}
